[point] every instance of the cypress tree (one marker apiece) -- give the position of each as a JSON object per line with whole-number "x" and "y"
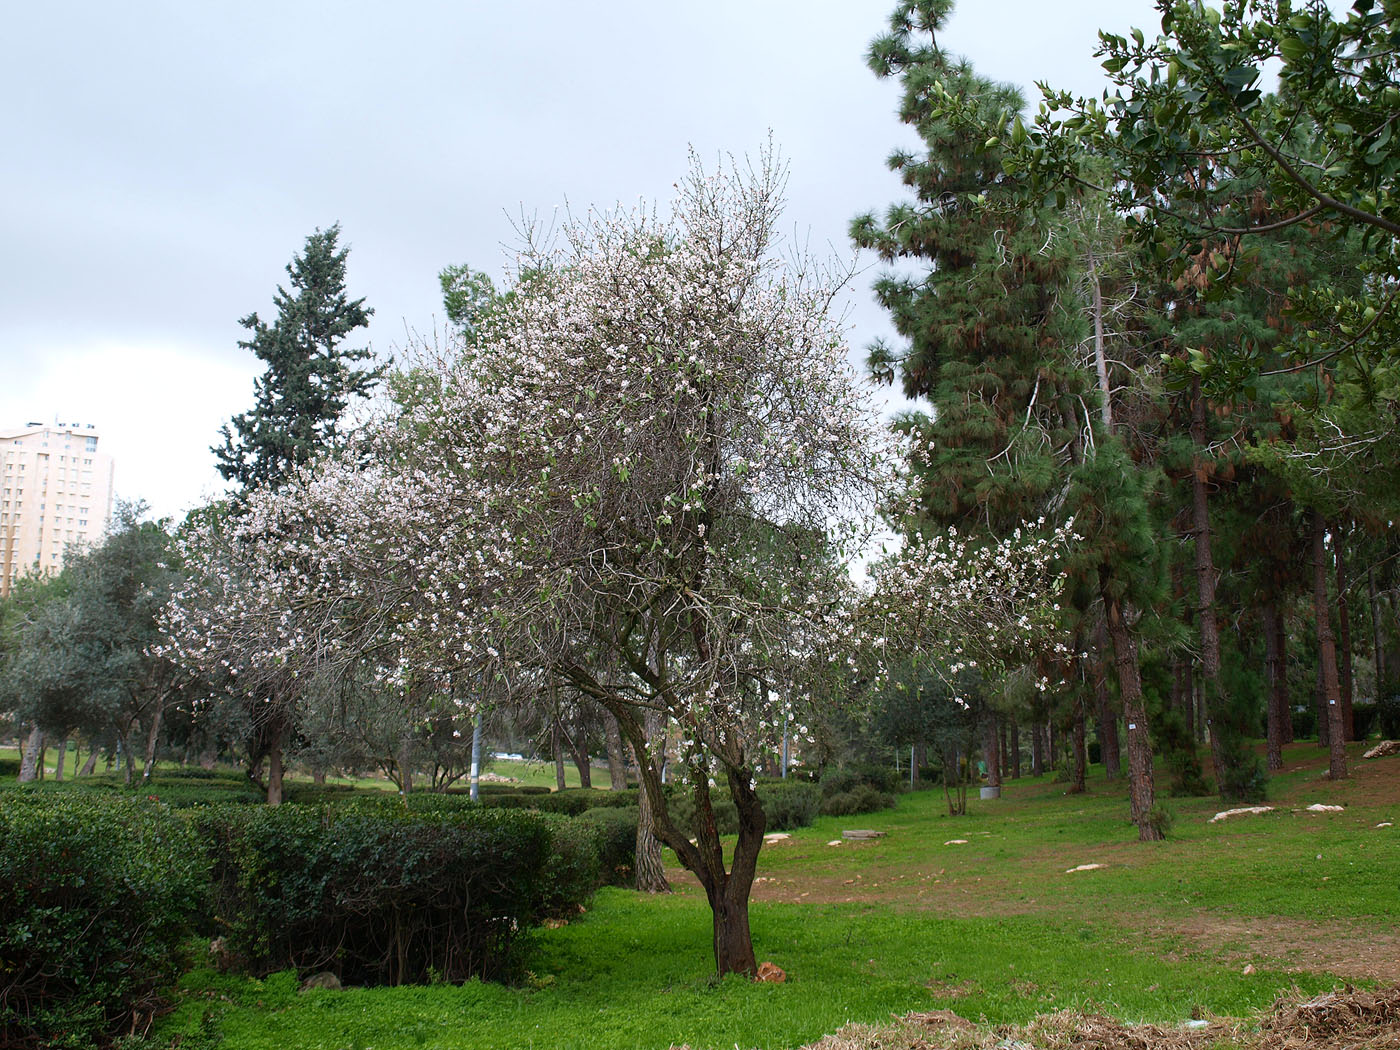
{"x": 310, "y": 378}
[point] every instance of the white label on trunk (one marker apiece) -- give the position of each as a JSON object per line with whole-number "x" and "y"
{"x": 1132, "y": 725}
{"x": 1331, "y": 701}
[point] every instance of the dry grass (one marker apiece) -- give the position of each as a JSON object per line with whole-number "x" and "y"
{"x": 1349, "y": 1020}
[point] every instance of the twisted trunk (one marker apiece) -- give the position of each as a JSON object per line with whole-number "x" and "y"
{"x": 617, "y": 760}
{"x": 651, "y": 870}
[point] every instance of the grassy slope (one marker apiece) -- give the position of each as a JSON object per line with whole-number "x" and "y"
{"x": 995, "y": 928}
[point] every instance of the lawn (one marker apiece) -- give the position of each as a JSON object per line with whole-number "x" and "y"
{"x": 995, "y": 927}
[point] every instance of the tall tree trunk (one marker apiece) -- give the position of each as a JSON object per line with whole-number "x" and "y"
{"x": 275, "y": 771}
{"x": 405, "y": 763}
{"x": 1273, "y": 669}
{"x": 617, "y": 758}
{"x": 582, "y": 762}
{"x": 1100, "y": 356}
{"x": 1004, "y": 757}
{"x": 557, "y": 743}
{"x": 1377, "y": 643}
{"x": 1344, "y": 669}
{"x": 1125, "y": 656}
{"x": 1107, "y": 718}
{"x": 91, "y": 762}
{"x": 62, "y": 754}
{"x": 1327, "y": 654}
{"x": 1281, "y": 697}
{"x": 152, "y": 736}
{"x": 1015, "y": 733}
{"x": 1037, "y": 751}
{"x": 1080, "y": 762}
{"x": 474, "y": 782}
{"x": 1205, "y": 588}
{"x": 990, "y": 750}
{"x": 1324, "y": 725}
{"x": 651, "y": 870}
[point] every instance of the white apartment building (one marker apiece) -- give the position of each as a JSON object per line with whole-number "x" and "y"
{"x": 55, "y": 492}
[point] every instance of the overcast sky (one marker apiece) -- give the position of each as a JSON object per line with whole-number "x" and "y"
{"x": 164, "y": 161}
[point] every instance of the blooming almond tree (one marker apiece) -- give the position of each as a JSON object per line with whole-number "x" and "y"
{"x": 955, "y": 605}
{"x": 641, "y": 480}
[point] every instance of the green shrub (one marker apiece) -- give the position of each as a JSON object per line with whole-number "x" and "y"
{"x": 1364, "y": 719}
{"x": 574, "y": 865}
{"x": 863, "y": 798}
{"x": 617, "y": 827}
{"x": 571, "y": 801}
{"x": 96, "y": 899}
{"x": 681, "y": 806}
{"x": 1161, "y": 819}
{"x": 380, "y": 893}
{"x": 1304, "y": 722}
{"x": 841, "y": 781}
{"x": 789, "y": 804}
{"x": 1388, "y": 716}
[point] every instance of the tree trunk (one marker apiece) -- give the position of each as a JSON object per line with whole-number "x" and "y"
{"x": 990, "y": 753}
{"x": 404, "y": 761}
{"x": 1281, "y": 697}
{"x": 651, "y": 870}
{"x": 557, "y": 743}
{"x": 1004, "y": 756}
{"x": 1320, "y": 709}
{"x": 617, "y": 760}
{"x": 1272, "y": 672}
{"x": 152, "y": 736}
{"x": 1015, "y": 734}
{"x": 1327, "y": 654}
{"x": 1377, "y": 643}
{"x": 727, "y": 892}
{"x": 62, "y": 754}
{"x": 318, "y": 777}
{"x": 91, "y": 762}
{"x": 274, "y": 772}
{"x": 1081, "y": 755}
{"x": 1344, "y": 674}
{"x": 1205, "y": 587}
{"x": 1037, "y": 752}
{"x": 474, "y": 788}
{"x": 1140, "y": 788}
{"x": 582, "y": 764}
{"x": 1107, "y": 718}
{"x": 733, "y": 942}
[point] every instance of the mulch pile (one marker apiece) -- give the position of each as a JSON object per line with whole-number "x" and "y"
{"x": 1346, "y": 1020}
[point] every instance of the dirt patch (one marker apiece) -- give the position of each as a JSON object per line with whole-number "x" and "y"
{"x": 1353, "y": 951}
{"x": 1348, "y": 1020}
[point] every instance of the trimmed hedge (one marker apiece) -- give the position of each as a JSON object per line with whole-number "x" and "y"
{"x": 617, "y": 842}
{"x": 96, "y": 900}
{"x": 387, "y": 894}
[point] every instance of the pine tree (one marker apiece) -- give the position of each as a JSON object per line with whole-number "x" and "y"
{"x": 310, "y": 379}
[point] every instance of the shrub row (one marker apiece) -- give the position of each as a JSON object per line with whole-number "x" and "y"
{"x": 95, "y": 904}
{"x": 384, "y": 895}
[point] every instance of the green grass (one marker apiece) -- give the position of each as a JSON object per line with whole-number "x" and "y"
{"x": 995, "y": 929}
{"x": 636, "y": 973}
